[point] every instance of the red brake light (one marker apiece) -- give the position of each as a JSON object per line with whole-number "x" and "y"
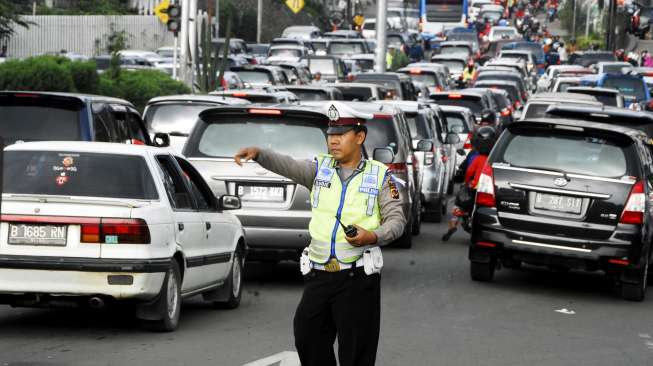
{"x": 438, "y": 89}
{"x": 486, "y": 244}
{"x": 415, "y": 71}
{"x": 455, "y": 96}
{"x": 505, "y": 112}
{"x": 239, "y": 94}
{"x": 382, "y": 116}
{"x": 635, "y": 206}
{"x": 398, "y": 167}
{"x": 125, "y": 231}
{"x": 468, "y": 142}
{"x": 273, "y": 112}
{"x": 25, "y": 95}
{"x": 485, "y": 189}
{"x": 90, "y": 233}
{"x": 621, "y": 262}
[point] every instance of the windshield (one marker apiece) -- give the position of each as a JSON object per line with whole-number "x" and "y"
{"x": 324, "y": 66}
{"x": 473, "y": 104}
{"x": 631, "y": 87}
{"x": 573, "y": 152}
{"x": 455, "y": 50}
{"x": 255, "y": 77}
{"x": 343, "y": 48}
{"x": 177, "y": 117}
{"x": 380, "y": 133}
{"x": 452, "y": 65}
{"x": 268, "y": 133}
{"x": 86, "y": 174}
{"x": 418, "y": 126}
{"x": 456, "y": 123}
{"x": 33, "y": 119}
{"x": 285, "y": 52}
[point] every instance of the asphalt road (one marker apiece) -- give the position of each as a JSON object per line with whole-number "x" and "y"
{"x": 432, "y": 314}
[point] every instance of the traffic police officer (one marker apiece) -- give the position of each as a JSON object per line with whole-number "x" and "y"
{"x": 342, "y": 294}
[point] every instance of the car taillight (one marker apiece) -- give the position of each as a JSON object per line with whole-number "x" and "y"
{"x": 485, "y": 189}
{"x": 116, "y": 231}
{"x": 505, "y": 112}
{"x": 635, "y": 206}
{"x": 468, "y": 142}
{"x": 398, "y": 167}
{"x": 224, "y": 84}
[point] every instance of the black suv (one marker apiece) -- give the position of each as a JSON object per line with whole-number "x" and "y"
{"x": 566, "y": 194}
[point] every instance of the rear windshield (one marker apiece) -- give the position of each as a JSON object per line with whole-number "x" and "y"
{"x": 308, "y": 140}
{"x": 355, "y": 93}
{"x": 627, "y": 86}
{"x": 255, "y": 77}
{"x": 456, "y": 123}
{"x": 455, "y": 50}
{"x": 472, "y": 103}
{"x": 511, "y": 89}
{"x": 39, "y": 119}
{"x": 418, "y": 126}
{"x": 533, "y": 47}
{"x": 499, "y": 33}
{"x": 536, "y": 110}
{"x": 380, "y": 133}
{"x": 307, "y": 95}
{"x": 319, "y": 46}
{"x": 324, "y": 66}
{"x": 393, "y": 86}
{"x": 454, "y": 66}
{"x": 573, "y": 152}
{"x": 285, "y": 52}
{"x": 514, "y": 56}
{"x": 257, "y": 98}
{"x": 427, "y": 79}
{"x": 343, "y": 48}
{"x": 173, "y": 117}
{"x": 564, "y": 85}
{"x": 616, "y": 69}
{"x": 77, "y": 174}
{"x": 397, "y": 41}
{"x": 491, "y": 15}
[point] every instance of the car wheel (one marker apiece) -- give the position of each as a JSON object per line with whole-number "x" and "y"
{"x": 169, "y": 302}
{"x": 234, "y": 284}
{"x": 636, "y": 291}
{"x": 450, "y": 187}
{"x": 436, "y": 212}
{"x": 482, "y": 272}
{"x": 417, "y": 221}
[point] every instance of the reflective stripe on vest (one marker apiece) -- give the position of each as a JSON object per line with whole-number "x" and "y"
{"x": 355, "y": 203}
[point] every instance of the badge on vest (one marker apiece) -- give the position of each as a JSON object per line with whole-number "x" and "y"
{"x": 369, "y": 185}
{"x": 324, "y": 176}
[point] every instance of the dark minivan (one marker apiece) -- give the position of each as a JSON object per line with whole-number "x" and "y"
{"x": 567, "y": 194}
{"x": 40, "y": 116}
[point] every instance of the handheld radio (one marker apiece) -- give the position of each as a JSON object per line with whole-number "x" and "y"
{"x": 350, "y": 230}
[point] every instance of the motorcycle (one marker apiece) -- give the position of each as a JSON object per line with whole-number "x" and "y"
{"x": 552, "y": 12}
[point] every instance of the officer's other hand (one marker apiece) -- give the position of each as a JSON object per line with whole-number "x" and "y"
{"x": 245, "y": 154}
{"x": 362, "y": 238}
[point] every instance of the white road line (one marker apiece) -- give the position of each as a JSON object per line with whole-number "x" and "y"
{"x": 285, "y": 358}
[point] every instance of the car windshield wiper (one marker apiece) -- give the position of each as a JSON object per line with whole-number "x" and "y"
{"x": 564, "y": 173}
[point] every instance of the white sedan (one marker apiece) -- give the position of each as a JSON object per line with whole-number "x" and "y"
{"x": 87, "y": 224}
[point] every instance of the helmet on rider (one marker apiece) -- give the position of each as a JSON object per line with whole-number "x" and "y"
{"x": 484, "y": 139}
{"x": 488, "y": 117}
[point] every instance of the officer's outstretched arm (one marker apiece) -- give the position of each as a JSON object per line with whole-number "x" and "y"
{"x": 301, "y": 172}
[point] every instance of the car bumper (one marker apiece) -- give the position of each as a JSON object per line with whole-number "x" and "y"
{"x": 120, "y": 279}
{"x": 498, "y": 241}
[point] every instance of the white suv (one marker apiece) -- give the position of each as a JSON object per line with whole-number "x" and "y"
{"x": 91, "y": 223}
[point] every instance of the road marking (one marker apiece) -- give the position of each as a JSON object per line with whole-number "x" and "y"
{"x": 285, "y": 358}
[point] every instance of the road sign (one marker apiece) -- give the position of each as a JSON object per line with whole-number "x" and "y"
{"x": 295, "y": 5}
{"x": 161, "y": 11}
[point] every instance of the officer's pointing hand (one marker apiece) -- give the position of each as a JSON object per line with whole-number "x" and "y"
{"x": 247, "y": 153}
{"x": 364, "y": 237}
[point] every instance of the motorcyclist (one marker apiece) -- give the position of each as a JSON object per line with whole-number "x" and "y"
{"x": 482, "y": 143}
{"x": 469, "y": 71}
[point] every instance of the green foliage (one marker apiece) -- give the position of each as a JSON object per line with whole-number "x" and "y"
{"x": 89, "y": 7}
{"x": 55, "y": 73}
{"x": 140, "y": 86}
{"x": 10, "y": 17}
{"x": 584, "y": 43}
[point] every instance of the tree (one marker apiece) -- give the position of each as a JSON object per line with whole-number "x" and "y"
{"x": 10, "y": 18}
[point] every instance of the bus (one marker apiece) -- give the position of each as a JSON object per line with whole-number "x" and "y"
{"x": 437, "y": 16}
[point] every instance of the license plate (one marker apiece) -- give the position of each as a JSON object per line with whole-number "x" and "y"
{"x": 37, "y": 234}
{"x": 557, "y": 203}
{"x": 262, "y": 193}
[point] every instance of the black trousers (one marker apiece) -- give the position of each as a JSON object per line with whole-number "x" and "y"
{"x": 345, "y": 303}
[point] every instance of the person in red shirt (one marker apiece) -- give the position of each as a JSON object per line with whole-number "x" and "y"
{"x": 482, "y": 143}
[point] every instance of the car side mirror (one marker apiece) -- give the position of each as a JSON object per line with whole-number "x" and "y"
{"x": 424, "y": 145}
{"x": 452, "y": 138}
{"x": 384, "y": 155}
{"x": 229, "y": 202}
{"x": 161, "y": 139}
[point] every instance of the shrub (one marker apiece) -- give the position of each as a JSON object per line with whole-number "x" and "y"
{"x": 85, "y": 77}
{"x": 43, "y": 73}
{"x": 140, "y": 86}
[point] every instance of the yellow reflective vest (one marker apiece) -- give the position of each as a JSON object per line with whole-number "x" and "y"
{"x": 354, "y": 203}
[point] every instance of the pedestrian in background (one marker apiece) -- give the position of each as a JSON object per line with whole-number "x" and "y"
{"x": 356, "y": 207}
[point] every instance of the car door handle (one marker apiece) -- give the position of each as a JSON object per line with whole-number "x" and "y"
{"x": 180, "y": 226}
{"x": 208, "y": 226}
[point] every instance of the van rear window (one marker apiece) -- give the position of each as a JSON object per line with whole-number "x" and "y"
{"x": 77, "y": 174}
{"x": 579, "y": 152}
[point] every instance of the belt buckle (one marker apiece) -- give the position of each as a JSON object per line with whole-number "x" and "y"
{"x": 332, "y": 265}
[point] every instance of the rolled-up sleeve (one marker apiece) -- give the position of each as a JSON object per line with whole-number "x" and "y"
{"x": 393, "y": 220}
{"x": 301, "y": 172}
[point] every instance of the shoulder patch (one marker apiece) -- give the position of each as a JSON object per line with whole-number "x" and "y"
{"x": 394, "y": 192}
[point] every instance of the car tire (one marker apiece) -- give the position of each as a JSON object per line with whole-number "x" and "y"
{"x": 416, "y": 227}
{"x": 482, "y": 272}
{"x": 636, "y": 291}
{"x": 435, "y": 213}
{"x": 169, "y": 302}
{"x": 234, "y": 283}
{"x": 450, "y": 187}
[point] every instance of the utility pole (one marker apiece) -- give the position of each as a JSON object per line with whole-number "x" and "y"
{"x": 259, "y": 20}
{"x": 381, "y": 41}
{"x": 612, "y": 13}
{"x": 348, "y": 15}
